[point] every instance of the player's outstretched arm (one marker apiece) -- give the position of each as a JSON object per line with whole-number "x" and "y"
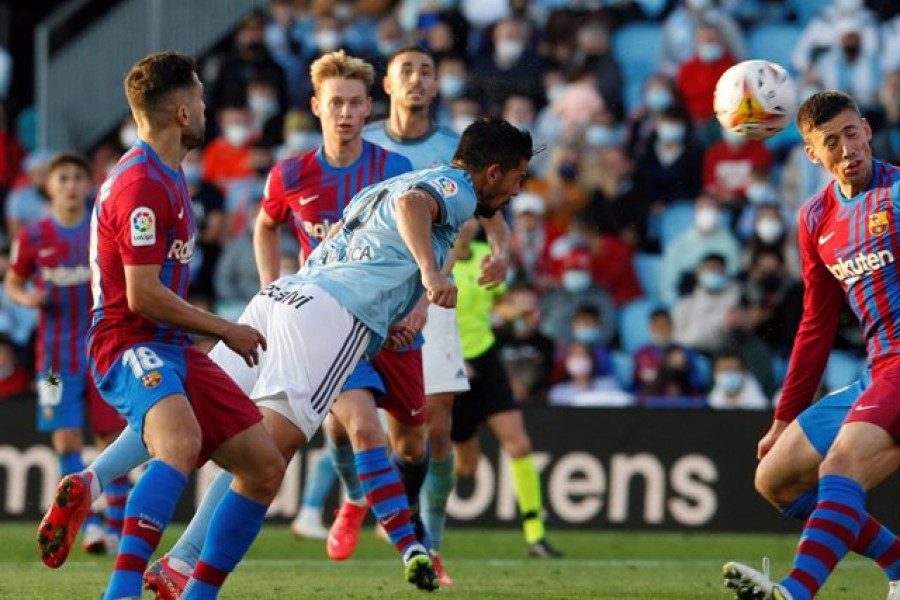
{"x": 417, "y": 210}
{"x": 148, "y": 297}
{"x": 495, "y": 265}
{"x": 267, "y": 248}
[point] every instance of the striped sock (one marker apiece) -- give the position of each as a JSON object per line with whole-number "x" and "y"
{"x": 386, "y": 496}
{"x": 830, "y": 532}
{"x": 439, "y": 484}
{"x": 116, "y": 498}
{"x": 875, "y": 541}
{"x": 190, "y": 544}
{"x": 149, "y": 508}
{"x": 527, "y": 484}
{"x": 344, "y": 462}
{"x": 232, "y": 529}
{"x": 412, "y": 475}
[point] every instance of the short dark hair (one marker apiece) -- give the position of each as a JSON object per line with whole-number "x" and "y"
{"x": 409, "y": 48}
{"x": 714, "y": 257}
{"x": 153, "y": 78}
{"x": 491, "y": 140}
{"x": 822, "y": 107}
{"x": 69, "y": 158}
{"x": 730, "y": 352}
{"x": 660, "y": 311}
{"x": 587, "y": 310}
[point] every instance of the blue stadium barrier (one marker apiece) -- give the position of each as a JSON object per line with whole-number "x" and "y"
{"x": 677, "y": 217}
{"x": 634, "y": 323}
{"x": 637, "y": 47}
{"x": 807, "y": 9}
{"x": 773, "y": 42}
{"x": 648, "y": 268}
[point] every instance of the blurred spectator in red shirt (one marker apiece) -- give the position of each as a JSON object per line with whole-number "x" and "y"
{"x": 729, "y": 163}
{"x": 227, "y": 157}
{"x": 531, "y": 239}
{"x": 698, "y": 76}
{"x": 11, "y": 155}
{"x": 14, "y": 380}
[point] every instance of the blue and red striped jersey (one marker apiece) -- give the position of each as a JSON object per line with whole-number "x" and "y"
{"x": 55, "y": 257}
{"x": 850, "y": 250}
{"x": 313, "y": 194}
{"x": 142, "y": 216}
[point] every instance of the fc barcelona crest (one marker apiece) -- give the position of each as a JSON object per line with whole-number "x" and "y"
{"x": 152, "y": 379}
{"x": 879, "y": 223}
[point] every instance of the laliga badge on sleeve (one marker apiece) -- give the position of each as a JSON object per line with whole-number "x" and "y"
{"x": 143, "y": 226}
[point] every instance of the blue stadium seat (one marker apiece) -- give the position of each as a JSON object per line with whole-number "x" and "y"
{"x": 774, "y": 42}
{"x": 704, "y": 368}
{"x": 623, "y": 367}
{"x": 648, "y": 268}
{"x": 634, "y": 323}
{"x": 779, "y": 369}
{"x": 677, "y": 217}
{"x": 843, "y": 369}
{"x": 807, "y": 9}
{"x": 637, "y": 47}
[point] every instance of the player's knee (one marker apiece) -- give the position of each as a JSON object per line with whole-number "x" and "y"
{"x": 180, "y": 451}
{"x": 410, "y": 450}
{"x": 767, "y": 487}
{"x": 517, "y": 446}
{"x": 366, "y": 434}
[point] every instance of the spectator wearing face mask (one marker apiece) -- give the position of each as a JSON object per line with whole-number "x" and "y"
{"x": 585, "y": 329}
{"x": 729, "y": 163}
{"x": 526, "y": 353}
{"x": 248, "y": 59}
{"x": 769, "y": 234}
{"x": 848, "y": 68}
{"x": 734, "y": 387}
{"x": 561, "y": 189}
{"x": 761, "y": 195}
{"x": 707, "y": 236}
{"x": 576, "y": 289}
{"x": 674, "y": 386}
{"x": 266, "y": 114}
{"x": 226, "y": 159}
{"x": 593, "y": 54}
{"x": 531, "y": 238}
{"x": 299, "y": 134}
{"x": 512, "y": 67}
{"x": 453, "y": 81}
{"x": 699, "y": 317}
{"x": 822, "y": 32}
{"x": 660, "y": 94}
{"x": 774, "y": 301}
{"x": 680, "y": 32}
{"x": 697, "y": 78}
{"x": 757, "y": 355}
{"x": 29, "y": 204}
{"x": 584, "y": 386}
{"x": 209, "y": 215}
{"x": 648, "y": 358}
{"x": 886, "y": 141}
{"x": 673, "y": 162}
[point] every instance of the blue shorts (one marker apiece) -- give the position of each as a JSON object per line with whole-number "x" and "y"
{"x": 823, "y": 419}
{"x": 61, "y": 406}
{"x": 142, "y": 376}
{"x": 364, "y": 376}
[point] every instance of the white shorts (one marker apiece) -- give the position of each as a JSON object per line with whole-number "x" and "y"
{"x": 442, "y": 360}
{"x": 313, "y": 346}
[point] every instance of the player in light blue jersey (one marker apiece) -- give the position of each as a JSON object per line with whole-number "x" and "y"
{"x": 388, "y": 250}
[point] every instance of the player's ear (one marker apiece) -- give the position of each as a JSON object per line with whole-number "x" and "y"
{"x": 810, "y": 154}
{"x": 368, "y": 106}
{"x": 386, "y": 84}
{"x": 867, "y": 128}
{"x": 314, "y": 105}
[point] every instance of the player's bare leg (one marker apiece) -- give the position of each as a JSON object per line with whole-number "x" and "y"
{"x": 509, "y": 429}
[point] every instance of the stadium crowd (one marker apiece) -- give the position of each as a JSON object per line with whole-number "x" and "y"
{"x": 654, "y": 258}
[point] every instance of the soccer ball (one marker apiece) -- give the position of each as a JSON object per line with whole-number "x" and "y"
{"x": 755, "y": 99}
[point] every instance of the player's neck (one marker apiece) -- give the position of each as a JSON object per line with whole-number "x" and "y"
{"x": 409, "y": 123}
{"x": 166, "y": 144}
{"x": 341, "y": 154}
{"x": 68, "y": 217}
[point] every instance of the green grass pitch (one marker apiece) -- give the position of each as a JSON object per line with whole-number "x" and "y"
{"x": 485, "y": 565}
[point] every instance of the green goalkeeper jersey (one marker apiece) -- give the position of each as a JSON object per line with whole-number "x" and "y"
{"x": 474, "y": 303}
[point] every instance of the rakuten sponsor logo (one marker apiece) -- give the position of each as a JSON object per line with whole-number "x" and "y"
{"x": 849, "y": 270}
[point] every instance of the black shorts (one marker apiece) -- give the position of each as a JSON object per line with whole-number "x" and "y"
{"x": 490, "y": 394}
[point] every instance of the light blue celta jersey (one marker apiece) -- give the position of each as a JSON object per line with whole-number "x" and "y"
{"x": 435, "y": 148}
{"x": 367, "y": 267}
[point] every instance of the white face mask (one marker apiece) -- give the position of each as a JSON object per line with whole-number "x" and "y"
{"x": 769, "y": 229}
{"x": 733, "y": 139}
{"x": 555, "y": 91}
{"x": 576, "y": 281}
{"x": 509, "y": 51}
{"x": 263, "y": 105}
{"x": 578, "y": 366}
{"x": 128, "y": 136}
{"x": 327, "y": 40}
{"x": 706, "y": 219}
{"x": 451, "y": 86}
{"x": 848, "y": 6}
{"x": 236, "y": 135}
{"x": 698, "y": 5}
{"x": 760, "y": 192}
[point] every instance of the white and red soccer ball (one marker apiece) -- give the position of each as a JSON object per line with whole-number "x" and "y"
{"x": 755, "y": 99}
